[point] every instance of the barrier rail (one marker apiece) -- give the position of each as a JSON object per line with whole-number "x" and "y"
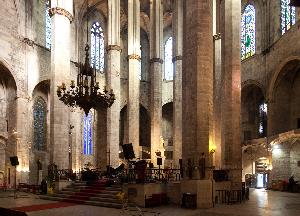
{"x": 231, "y": 196}
{"x": 151, "y": 175}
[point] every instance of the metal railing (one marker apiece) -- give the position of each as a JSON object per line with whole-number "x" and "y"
{"x": 150, "y": 175}
{"x": 231, "y": 196}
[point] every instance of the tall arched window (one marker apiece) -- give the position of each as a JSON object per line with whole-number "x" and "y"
{"x": 97, "y": 46}
{"x": 288, "y": 15}
{"x": 39, "y": 123}
{"x": 88, "y": 134}
{"x": 248, "y": 32}
{"x": 48, "y": 24}
{"x": 168, "y": 75}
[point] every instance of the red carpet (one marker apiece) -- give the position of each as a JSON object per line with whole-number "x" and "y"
{"x": 43, "y": 206}
{"x": 74, "y": 199}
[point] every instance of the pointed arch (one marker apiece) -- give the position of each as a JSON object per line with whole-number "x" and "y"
{"x": 88, "y": 134}
{"x": 287, "y": 16}
{"x": 48, "y": 24}
{"x": 168, "y": 73}
{"x": 248, "y": 32}
{"x": 97, "y": 46}
{"x": 39, "y": 124}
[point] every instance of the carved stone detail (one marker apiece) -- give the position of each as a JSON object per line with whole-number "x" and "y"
{"x": 134, "y": 56}
{"x": 177, "y": 58}
{"x": 159, "y": 60}
{"x": 61, "y": 11}
{"x": 217, "y": 36}
{"x": 113, "y": 47}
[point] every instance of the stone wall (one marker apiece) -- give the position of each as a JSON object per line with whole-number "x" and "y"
{"x": 273, "y": 52}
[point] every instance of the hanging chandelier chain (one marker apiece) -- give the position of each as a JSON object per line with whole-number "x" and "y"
{"x": 86, "y": 94}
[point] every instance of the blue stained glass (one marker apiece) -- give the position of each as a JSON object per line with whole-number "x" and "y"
{"x": 39, "y": 124}
{"x": 168, "y": 74}
{"x": 48, "y": 25}
{"x": 288, "y": 16}
{"x": 97, "y": 47}
{"x": 88, "y": 134}
{"x": 248, "y": 31}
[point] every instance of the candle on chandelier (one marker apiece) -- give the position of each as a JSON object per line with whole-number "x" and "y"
{"x": 86, "y": 83}
{"x": 72, "y": 83}
{"x": 58, "y": 89}
{"x": 63, "y": 86}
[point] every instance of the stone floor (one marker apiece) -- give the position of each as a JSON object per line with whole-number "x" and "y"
{"x": 262, "y": 202}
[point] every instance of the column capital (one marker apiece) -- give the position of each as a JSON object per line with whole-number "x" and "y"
{"x": 61, "y": 11}
{"x": 134, "y": 56}
{"x": 177, "y": 58}
{"x": 217, "y": 36}
{"x": 114, "y": 47}
{"x": 159, "y": 60}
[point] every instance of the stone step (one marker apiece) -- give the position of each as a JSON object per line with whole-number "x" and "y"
{"x": 102, "y": 195}
{"x": 115, "y": 187}
{"x": 92, "y": 191}
{"x": 78, "y": 201}
{"x": 86, "y": 198}
{"x": 99, "y": 188}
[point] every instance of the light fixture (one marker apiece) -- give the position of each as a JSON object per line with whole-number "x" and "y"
{"x": 86, "y": 93}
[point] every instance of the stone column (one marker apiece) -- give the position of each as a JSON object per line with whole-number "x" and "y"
{"x": 134, "y": 57}
{"x": 197, "y": 100}
{"x": 217, "y": 86}
{"x": 177, "y": 26}
{"x": 231, "y": 90}
{"x": 102, "y": 147}
{"x": 22, "y": 145}
{"x": 61, "y": 13}
{"x": 156, "y": 53}
{"x": 113, "y": 80}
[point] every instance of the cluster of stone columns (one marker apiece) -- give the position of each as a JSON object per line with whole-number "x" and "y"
{"x": 211, "y": 76}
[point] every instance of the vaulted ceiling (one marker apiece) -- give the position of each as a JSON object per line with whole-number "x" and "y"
{"x": 102, "y": 7}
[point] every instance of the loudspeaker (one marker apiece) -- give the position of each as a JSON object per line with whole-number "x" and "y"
{"x": 151, "y": 165}
{"x": 181, "y": 168}
{"x": 14, "y": 161}
{"x": 159, "y": 161}
{"x": 128, "y": 151}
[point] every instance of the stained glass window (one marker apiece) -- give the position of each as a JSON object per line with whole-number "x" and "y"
{"x": 168, "y": 60}
{"x": 97, "y": 46}
{"x": 88, "y": 134}
{"x": 288, "y": 16}
{"x": 263, "y": 110}
{"x": 48, "y": 25}
{"x": 39, "y": 123}
{"x": 248, "y": 32}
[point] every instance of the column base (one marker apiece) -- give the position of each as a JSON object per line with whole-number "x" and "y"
{"x": 202, "y": 188}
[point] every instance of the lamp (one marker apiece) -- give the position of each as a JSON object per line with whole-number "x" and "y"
{"x": 295, "y": 3}
{"x": 86, "y": 92}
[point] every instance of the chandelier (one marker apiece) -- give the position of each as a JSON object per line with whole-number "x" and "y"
{"x": 86, "y": 94}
